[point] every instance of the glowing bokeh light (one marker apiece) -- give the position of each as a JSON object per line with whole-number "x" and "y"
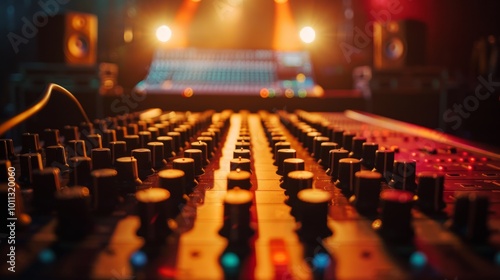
{"x": 307, "y": 34}
{"x": 163, "y": 33}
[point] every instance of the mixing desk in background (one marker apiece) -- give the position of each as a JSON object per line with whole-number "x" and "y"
{"x": 240, "y": 195}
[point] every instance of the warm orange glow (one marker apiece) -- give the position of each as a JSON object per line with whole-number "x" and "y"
{"x": 188, "y": 92}
{"x": 182, "y": 22}
{"x": 280, "y": 258}
{"x": 264, "y": 93}
{"x": 285, "y": 31}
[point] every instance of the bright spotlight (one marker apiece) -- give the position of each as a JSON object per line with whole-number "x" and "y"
{"x": 163, "y": 33}
{"x": 307, "y": 34}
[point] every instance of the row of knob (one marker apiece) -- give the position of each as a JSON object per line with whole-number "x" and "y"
{"x": 378, "y": 185}
{"x": 95, "y": 182}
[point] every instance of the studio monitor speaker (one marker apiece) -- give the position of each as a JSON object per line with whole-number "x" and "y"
{"x": 399, "y": 44}
{"x": 69, "y": 38}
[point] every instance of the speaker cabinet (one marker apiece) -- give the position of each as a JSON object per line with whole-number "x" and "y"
{"x": 69, "y": 38}
{"x": 399, "y": 44}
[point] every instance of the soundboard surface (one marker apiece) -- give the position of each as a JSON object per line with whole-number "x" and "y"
{"x": 437, "y": 213}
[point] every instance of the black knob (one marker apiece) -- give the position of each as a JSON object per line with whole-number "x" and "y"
{"x": 357, "y": 147}
{"x": 104, "y": 191}
{"x": 121, "y": 132}
{"x": 108, "y": 136}
{"x": 157, "y": 154}
{"x": 70, "y": 132}
{"x": 133, "y": 142}
{"x": 30, "y": 143}
{"x": 101, "y": 158}
{"x": 76, "y": 148}
{"x": 29, "y": 163}
{"x": 395, "y": 220}
{"x": 403, "y": 175}
{"x": 188, "y": 166}
{"x": 278, "y": 146}
{"x": 128, "y": 174}
{"x": 317, "y": 144}
{"x": 176, "y": 140}
{"x": 93, "y": 141}
{"x": 239, "y": 178}
{"x": 281, "y": 156}
{"x": 366, "y": 192}
{"x": 210, "y": 145}
{"x": 154, "y": 212}
{"x": 470, "y": 218}
{"x": 338, "y": 136}
{"x": 236, "y": 226}
{"x": 118, "y": 149}
{"x": 46, "y": 183}
{"x": 243, "y": 153}
{"x": 7, "y": 149}
{"x": 73, "y": 213}
{"x": 155, "y": 132}
{"x": 144, "y": 165}
{"x": 335, "y": 156}
{"x": 430, "y": 192}
{"x": 347, "y": 170}
{"x": 144, "y": 138}
{"x": 132, "y": 129}
{"x": 368, "y": 155}
{"x": 80, "y": 168}
{"x": 312, "y": 214}
{"x": 50, "y": 137}
{"x": 347, "y": 138}
{"x": 324, "y": 157}
{"x": 173, "y": 180}
{"x": 240, "y": 164}
{"x": 384, "y": 163}
{"x": 55, "y": 156}
{"x": 310, "y": 140}
{"x": 168, "y": 146}
{"x": 197, "y": 156}
{"x": 203, "y": 147}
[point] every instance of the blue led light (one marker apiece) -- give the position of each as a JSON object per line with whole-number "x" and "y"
{"x": 418, "y": 259}
{"x": 46, "y": 256}
{"x": 138, "y": 259}
{"x": 230, "y": 260}
{"x": 497, "y": 258}
{"x": 321, "y": 260}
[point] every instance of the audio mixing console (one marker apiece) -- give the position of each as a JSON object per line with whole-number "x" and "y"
{"x": 240, "y": 195}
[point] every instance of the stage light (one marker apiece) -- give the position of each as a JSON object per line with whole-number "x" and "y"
{"x": 163, "y": 33}
{"x": 307, "y": 34}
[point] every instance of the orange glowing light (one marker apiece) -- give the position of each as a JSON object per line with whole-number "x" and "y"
{"x": 285, "y": 31}
{"x": 167, "y": 272}
{"x": 280, "y": 258}
{"x": 181, "y": 23}
{"x": 188, "y": 92}
{"x": 264, "y": 93}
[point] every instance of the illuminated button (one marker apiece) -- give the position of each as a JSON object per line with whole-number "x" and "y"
{"x": 138, "y": 259}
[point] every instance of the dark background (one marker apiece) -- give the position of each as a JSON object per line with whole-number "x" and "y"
{"x": 453, "y": 26}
